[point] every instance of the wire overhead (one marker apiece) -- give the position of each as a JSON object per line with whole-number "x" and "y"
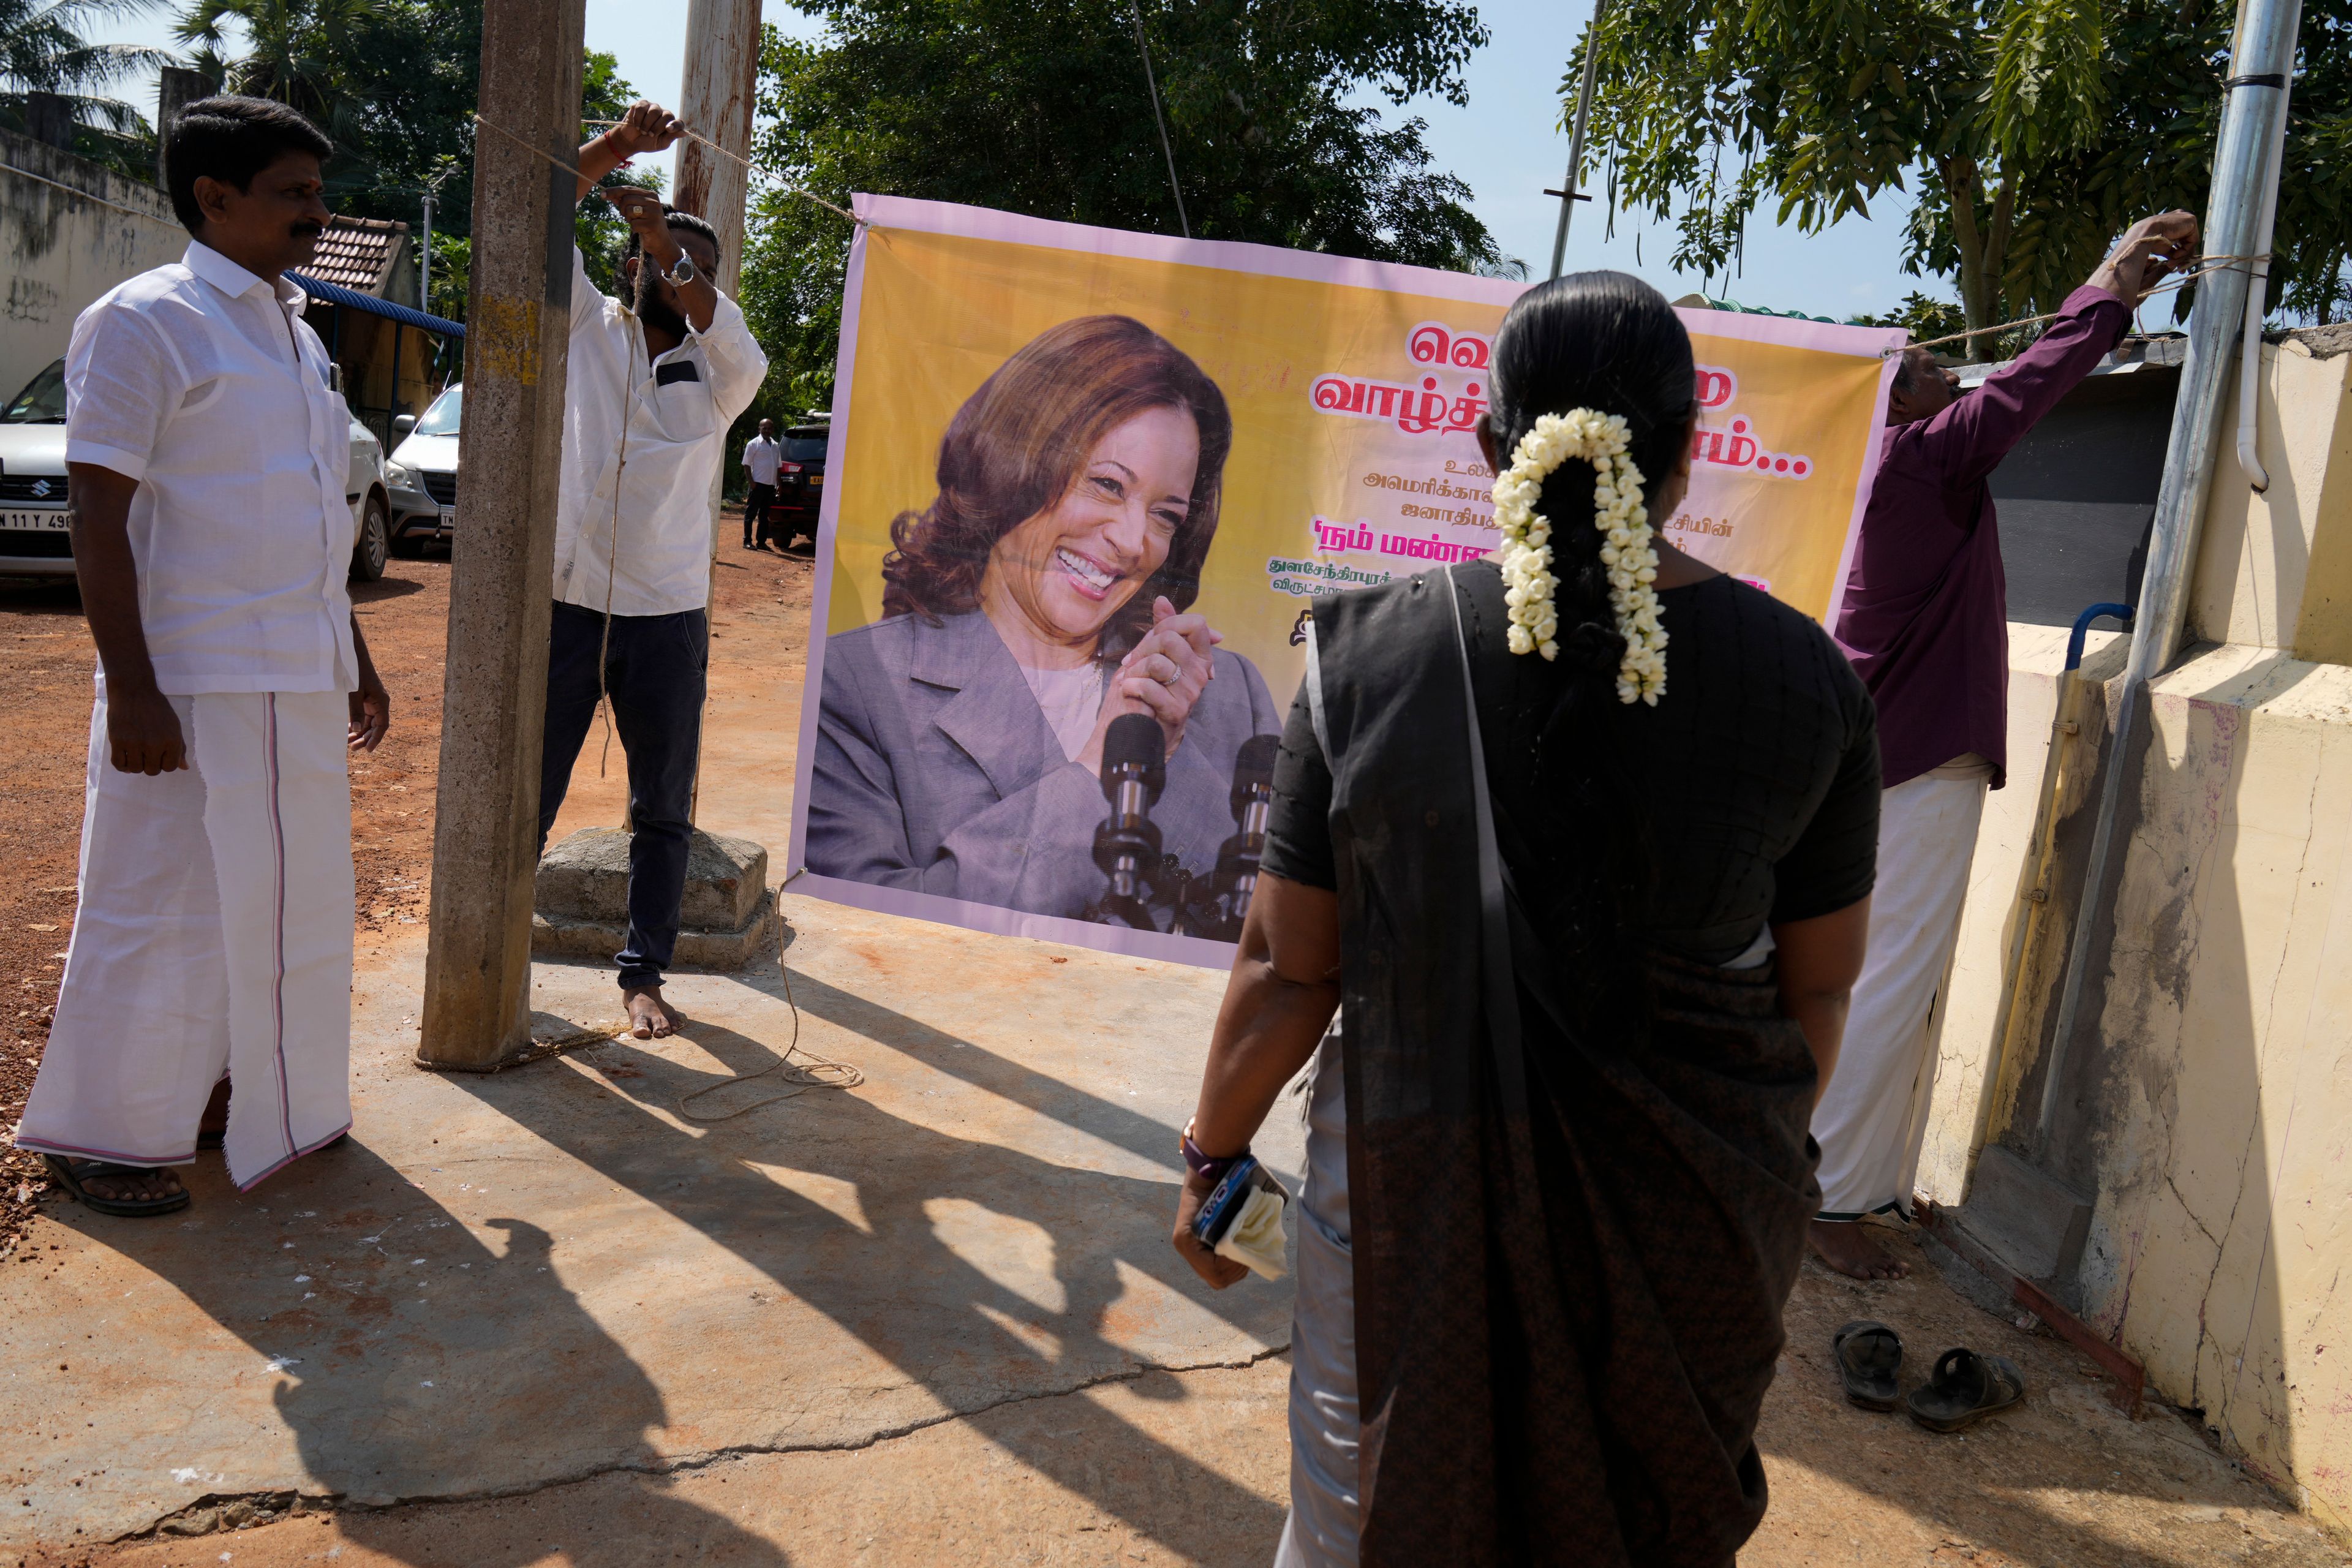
{"x": 1166, "y": 147}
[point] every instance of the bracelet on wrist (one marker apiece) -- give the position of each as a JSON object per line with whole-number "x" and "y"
{"x": 1209, "y": 1169}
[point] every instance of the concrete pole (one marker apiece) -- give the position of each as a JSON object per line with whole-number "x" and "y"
{"x": 2260, "y": 59}
{"x": 716, "y": 95}
{"x": 494, "y": 696}
{"x": 175, "y": 88}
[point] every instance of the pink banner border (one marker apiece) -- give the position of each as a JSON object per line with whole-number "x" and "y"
{"x": 880, "y": 215}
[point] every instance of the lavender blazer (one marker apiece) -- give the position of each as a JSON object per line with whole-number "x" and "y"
{"x": 936, "y": 771}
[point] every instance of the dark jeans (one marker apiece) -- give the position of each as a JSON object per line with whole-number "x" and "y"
{"x": 755, "y": 514}
{"x": 654, "y": 672}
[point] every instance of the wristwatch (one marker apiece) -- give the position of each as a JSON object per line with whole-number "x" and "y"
{"x": 682, "y": 273}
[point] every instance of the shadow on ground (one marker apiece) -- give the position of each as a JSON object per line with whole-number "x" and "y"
{"x": 889, "y": 1253}
{"x": 398, "y": 1390}
{"x": 415, "y": 1358}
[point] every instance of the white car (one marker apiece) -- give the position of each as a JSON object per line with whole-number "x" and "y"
{"x": 35, "y": 541}
{"x": 423, "y": 474}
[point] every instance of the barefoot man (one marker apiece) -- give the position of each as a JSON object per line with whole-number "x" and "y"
{"x": 206, "y": 456}
{"x": 1926, "y": 624}
{"x": 654, "y": 385}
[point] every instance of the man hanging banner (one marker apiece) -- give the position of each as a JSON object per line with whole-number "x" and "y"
{"x": 1077, "y": 474}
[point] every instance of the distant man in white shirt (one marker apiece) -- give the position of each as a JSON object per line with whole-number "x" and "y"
{"x": 763, "y": 455}
{"x": 208, "y": 456}
{"x": 653, "y": 386}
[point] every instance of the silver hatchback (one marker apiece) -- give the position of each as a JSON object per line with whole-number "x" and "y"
{"x": 36, "y": 538}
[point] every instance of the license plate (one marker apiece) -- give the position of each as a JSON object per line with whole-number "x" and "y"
{"x": 817, "y": 481}
{"x": 448, "y": 518}
{"x": 46, "y": 521}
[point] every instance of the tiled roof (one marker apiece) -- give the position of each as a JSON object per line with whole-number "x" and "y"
{"x": 358, "y": 252}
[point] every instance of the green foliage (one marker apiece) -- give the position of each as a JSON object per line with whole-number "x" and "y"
{"x": 2034, "y": 130}
{"x": 1927, "y": 318}
{"x": 452, "y": 274}
{"x": 1039, "y": 107}
{"x": 394, "y": 82}
{"x": 43, "y": 49}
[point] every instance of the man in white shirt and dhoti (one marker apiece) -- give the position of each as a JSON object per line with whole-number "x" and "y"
{"x": 207, "y": 453}
{"x": 653, "y": 385}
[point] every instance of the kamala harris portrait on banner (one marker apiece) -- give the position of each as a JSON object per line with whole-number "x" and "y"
{"x": 1044, "y": 592}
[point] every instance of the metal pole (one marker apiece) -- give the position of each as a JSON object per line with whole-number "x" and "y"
{"x": 2260, "y": 61}
{"x": 1568, "y": 197}
{"x": 1167, "y": 148}
{"x": 425, "y": 259}
{"x": 494, "y": 691}
{"x": 2249, "y": 350}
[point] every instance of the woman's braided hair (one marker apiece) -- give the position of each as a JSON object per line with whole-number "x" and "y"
{"x": 1609, "y": 342}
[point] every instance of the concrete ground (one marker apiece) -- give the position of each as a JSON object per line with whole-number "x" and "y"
{"x": 566, "y": 1314}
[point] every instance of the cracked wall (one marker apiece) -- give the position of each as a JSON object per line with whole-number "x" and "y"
{"x": 63, "y": 249}
{"x": 2221, "y": 1099}
{"x": 2216, "y": 1103}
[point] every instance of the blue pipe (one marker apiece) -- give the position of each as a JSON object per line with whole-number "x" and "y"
{"x": 2082, "y": 628}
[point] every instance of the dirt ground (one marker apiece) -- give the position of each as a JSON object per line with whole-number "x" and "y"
{"x": 45, "y": 663}
{"x": 2066, "y": 1481}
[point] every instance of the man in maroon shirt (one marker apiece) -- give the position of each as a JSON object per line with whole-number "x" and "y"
{"x": 1926, "y": 624}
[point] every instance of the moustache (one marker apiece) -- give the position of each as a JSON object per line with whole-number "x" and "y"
{"x": 306, "y": 230}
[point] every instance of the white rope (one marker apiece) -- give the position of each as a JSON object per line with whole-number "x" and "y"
{"x": 2179, "y": 280}
{"x": 573, "y": 169}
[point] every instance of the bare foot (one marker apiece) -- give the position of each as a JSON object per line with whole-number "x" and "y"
{"x": 127, "y": 1185}
{"x": 1841, "y": 1244}
{"x": 649, "y": 1016}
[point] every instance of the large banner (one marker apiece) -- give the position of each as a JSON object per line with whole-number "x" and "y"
{"x": 1060, "y": 452}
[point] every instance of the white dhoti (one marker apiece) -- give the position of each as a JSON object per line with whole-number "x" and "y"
{"x": 213, "y": 933}
{"x": 1873, "y": 1117}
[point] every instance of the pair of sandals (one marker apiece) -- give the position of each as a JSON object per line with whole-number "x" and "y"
{"x": 1964, "y": 1388}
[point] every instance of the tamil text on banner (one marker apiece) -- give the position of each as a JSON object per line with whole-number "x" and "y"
{"x": 1790, "y": 416}
{"x": 1047, "y": 439}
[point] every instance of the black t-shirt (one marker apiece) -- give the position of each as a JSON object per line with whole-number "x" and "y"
{"x": 1759, "y": 768}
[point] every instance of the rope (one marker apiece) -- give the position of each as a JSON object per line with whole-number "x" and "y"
{"x": 613, "y": 550}
{"x": 2178, "y": 280}
{"x": 101, "y": 200}
{"x": 819, "y": 1072}
{"x": 574, "y": 170}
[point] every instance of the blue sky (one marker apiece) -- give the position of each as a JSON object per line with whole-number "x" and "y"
{"x": 1507, "y": 143}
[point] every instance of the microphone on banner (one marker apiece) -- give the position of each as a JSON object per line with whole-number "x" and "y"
{"x": 1126, "y": 845}
{"x": 1219, "y": 916}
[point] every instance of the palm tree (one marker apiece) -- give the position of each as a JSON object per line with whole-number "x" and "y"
{"x": 43, "y": 51}
{"x": 297, "y": 51}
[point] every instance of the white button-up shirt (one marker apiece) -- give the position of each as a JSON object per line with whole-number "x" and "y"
{"x": 202, "y": 382}
{"x": 763, "y": 457}
{"x": 642, "y": 448}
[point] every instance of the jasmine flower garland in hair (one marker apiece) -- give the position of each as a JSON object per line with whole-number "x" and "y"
{"x": 1626, "y": 549}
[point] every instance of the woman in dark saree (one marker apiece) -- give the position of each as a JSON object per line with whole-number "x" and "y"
{"x": 1592, "y": 913}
